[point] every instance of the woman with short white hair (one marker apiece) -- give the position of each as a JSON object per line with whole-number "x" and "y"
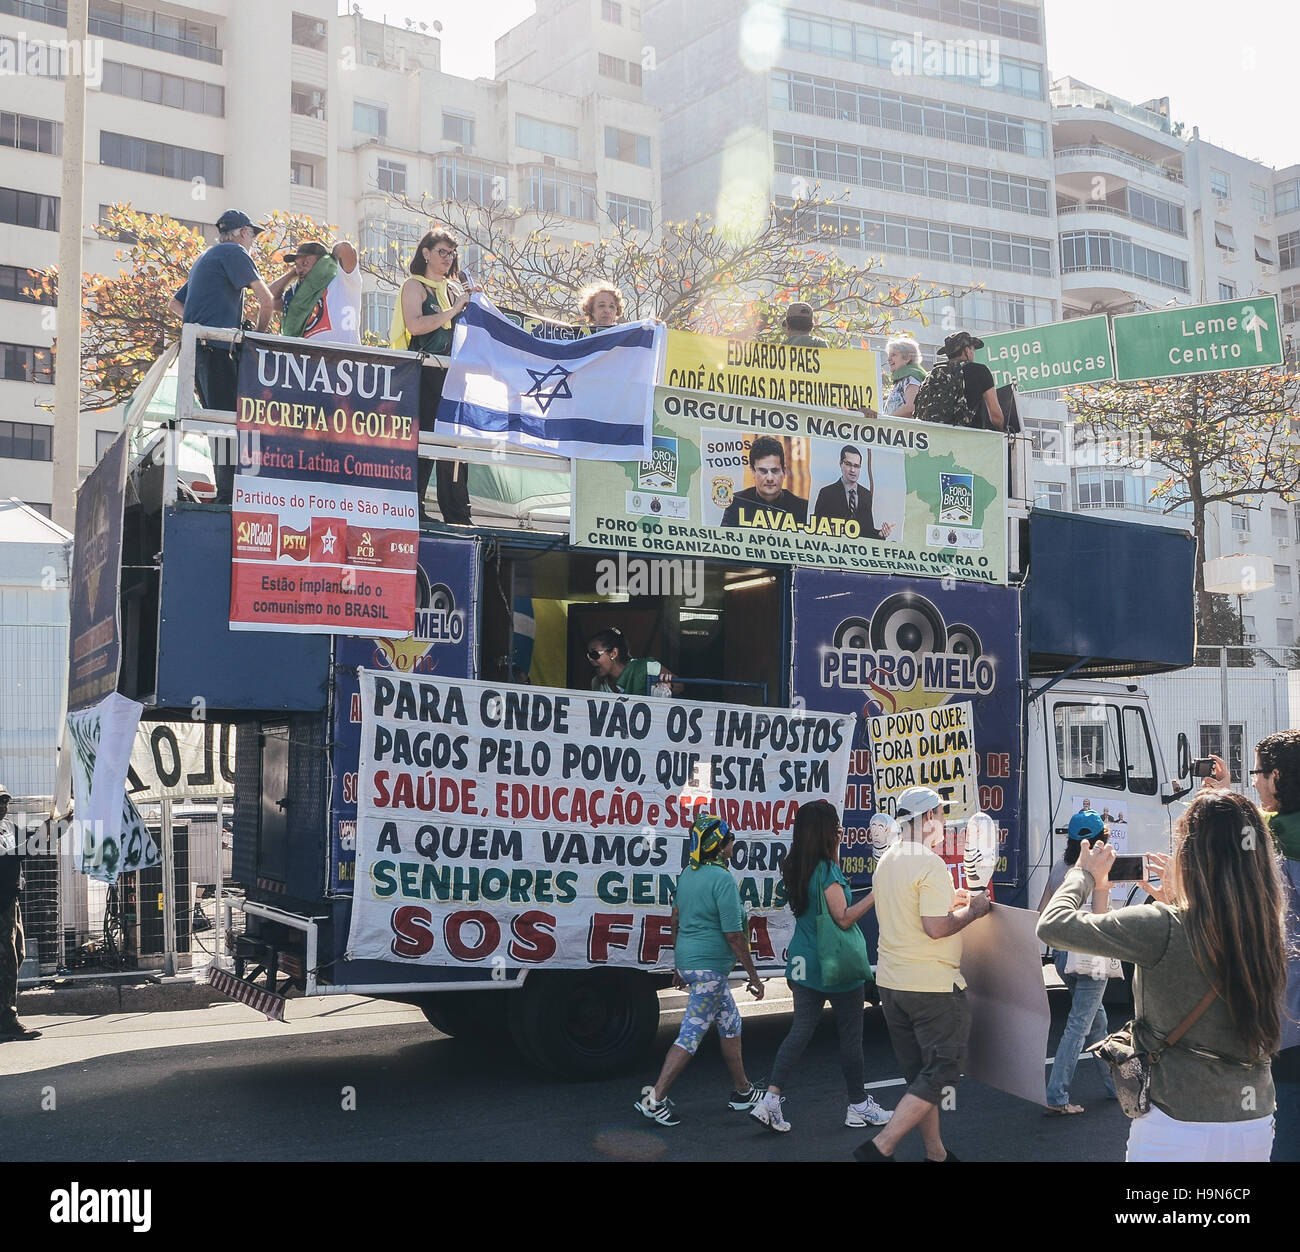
{"x": 903, "y": 355}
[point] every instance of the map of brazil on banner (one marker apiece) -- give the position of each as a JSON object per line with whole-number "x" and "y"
{"x": 324, "y": 528}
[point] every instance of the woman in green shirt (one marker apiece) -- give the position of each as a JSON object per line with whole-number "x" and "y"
{"x": 709, "y": 936}
{"x": 1215, "y": 926}
{"x": 616, "y": 670}
{"x": 813, "y": 882}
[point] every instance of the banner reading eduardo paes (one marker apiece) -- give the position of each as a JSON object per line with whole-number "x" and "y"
{"x": 547, "y": 827}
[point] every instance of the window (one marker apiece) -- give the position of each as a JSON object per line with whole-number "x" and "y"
{"x": 634, "y": 18}
{"x": 623, "y": 145}
{"x": 166, "y": 160}
{"x": 611, "y": 12}
{"x": 1139, "y": 760}
{"x": 31, "y": 134}
{"x": 458, "y": 128}
{"x": 1295, "y": 513}
{"x": 1220, "y": 186}
{"x": 1224, "y": 237}
{"x": 302, "y": 174}
{"x": 377, "y": 312}
{"x": 1282, "y": 580}
{"x": 1154, "y": 210}
{"x": 612, "y": 67}
{"x": 1285, "y": 632}
{"x": 629, "y": 210}
{"x": 26, "y": 441}
{"x": 1290, "y": 298}
{"x": 1088, "y": 745}
{"x": 389, "y": 243}
{"x": 634, "y": 73}
{"x": 549, "y": 190}
{"x": 190, "y": 94}
{"x": 1099, "y": 489}
{"x": 1227, "y": 291}
{"x": 1240, "y": 520}
{"x": 1107, "y": 250}
{"x": 308, "y": 32}
{"x": 307, "y": 102}
{"x": 392, "y": 177}
{"x": 1047, "y": 439}
{"x": 163, "y": 31}
{"x": 1264, "y": 252}
{"x": 1277, "y": 518}
{"x": 464, "y": 178}
{"x": 1211, "y": 740}
{"x": 1248, "y": 634}
{"x": 1286, "y": 196}
{"x": 23, "y": 363}
{"x": 551, "y": 137}
{"x": 1288, "y": 248}
{"x": 370, "y": 119}
{"x": 1259, "y": 199}
{"x": 103, "y": 441}
{"x": 17, "y": 279}
{"x": 1050, "y": 496}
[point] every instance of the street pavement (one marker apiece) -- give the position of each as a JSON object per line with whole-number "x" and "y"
{"x": 351, "y": 1079}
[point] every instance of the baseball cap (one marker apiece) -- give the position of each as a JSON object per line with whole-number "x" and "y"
{"x": 310, "y": 248}
{"x": 1086, "y": 824}
{"x": 959, "y": 342}
{"x": 4, "y": 792}
{"x": 916, "y": 801}
{"x": 233, "y": 219}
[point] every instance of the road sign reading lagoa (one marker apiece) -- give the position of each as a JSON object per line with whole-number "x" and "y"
{"x": 1200, "y": 339}
{"x": 1059, "y": 354}
{"x": 882, "y": 646}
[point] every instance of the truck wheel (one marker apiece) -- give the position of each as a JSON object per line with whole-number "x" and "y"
{"x": 590, "y": 1023}
{"x": 475, "y": 1016}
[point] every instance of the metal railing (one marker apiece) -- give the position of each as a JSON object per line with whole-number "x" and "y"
{"x": 928, "y": 192}
{"x": 1094, "y": 268}
{"x": 1103, "y": 207}
{"x": 1125, "y": 158}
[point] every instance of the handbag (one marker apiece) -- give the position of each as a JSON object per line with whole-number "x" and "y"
{"x": 1085, "y": 966}
{"x": 842, "y": 954}
{"x": 1130, "y": 1069}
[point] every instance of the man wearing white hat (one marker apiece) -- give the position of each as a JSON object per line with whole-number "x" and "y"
{"x": 922, "y": 992}
{"x": 11, "y": 927}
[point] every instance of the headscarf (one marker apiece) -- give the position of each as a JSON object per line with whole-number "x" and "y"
{"x": 708, "y": 834}
{"x": 398, "y": 335}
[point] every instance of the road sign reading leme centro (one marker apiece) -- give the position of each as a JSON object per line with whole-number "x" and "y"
{"x": 1202, "y": 339}
{"x": 1056, "y": 355}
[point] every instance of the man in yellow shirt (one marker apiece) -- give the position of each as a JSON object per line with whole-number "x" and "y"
{"x": 922, "y": 992}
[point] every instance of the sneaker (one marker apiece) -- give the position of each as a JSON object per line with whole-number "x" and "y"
{"x": 743, "y": 1101}
{"x": 13, "y": 1031}
{"x": 768, "y": 1111}
{"x": 661, "y": 1111}
{"x": 868, "y": 1113}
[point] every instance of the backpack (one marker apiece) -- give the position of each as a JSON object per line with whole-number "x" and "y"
{"x": 942, "y": 398}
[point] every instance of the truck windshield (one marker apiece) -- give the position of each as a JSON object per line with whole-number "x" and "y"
{"x": 1088, "y": 747}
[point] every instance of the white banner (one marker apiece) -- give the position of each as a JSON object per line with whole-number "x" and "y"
{"x": 932, "y": 747}
{"x": 113, "y": 837}
{"x": 508, "y": 826}
{"x": 182, "y": 761}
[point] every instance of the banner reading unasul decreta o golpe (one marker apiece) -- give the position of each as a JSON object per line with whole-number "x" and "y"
{"x": 530, "y": 826}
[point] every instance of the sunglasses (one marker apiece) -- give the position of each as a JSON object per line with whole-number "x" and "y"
{"x": 446, "y": 256}
{"x": 1260, "y": 771}
{"x": 594, "y": 654}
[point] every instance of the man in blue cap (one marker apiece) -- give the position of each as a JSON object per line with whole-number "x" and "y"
{"x": 922, "y": 992}
{"x": 214, "y": 296}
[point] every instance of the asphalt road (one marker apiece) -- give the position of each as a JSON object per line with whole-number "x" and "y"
{"x": 361, "y": 1081}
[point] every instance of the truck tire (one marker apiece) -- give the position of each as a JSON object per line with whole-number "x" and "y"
{"x": 474, "y": 1016}
{"x": 591, "y": 1023}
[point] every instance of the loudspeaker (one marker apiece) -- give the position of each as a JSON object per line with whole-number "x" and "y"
{"x": 908, "y": 622}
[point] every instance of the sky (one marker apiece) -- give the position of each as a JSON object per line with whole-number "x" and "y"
{"x": 1229, "y": 68}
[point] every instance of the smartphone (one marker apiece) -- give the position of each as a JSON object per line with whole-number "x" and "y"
{"x": 1203, "y": 767}
{"x": 1128, "y": 869}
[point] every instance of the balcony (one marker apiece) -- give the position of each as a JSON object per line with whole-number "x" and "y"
{"x": 308, "y": 200}
{"x": 308, "y": 65}
{"x": 1087, "y": 154}
{"x": 1078, "y": 96}
{"x": 1101, "y": 206}
{"x": 307, "y": 135}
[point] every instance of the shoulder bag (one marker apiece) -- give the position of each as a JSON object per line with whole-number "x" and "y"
{"x": 1131, "y": 1069}
{"x": 842, "y": 954}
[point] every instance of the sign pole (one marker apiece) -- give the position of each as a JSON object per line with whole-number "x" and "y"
{"x": 168, "y": 890}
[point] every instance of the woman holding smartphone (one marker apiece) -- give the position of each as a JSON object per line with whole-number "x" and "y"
{"x": 1210, "y": 957}
{"x": 1086, "y": 1023}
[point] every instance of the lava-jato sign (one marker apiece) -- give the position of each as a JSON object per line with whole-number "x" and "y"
{"x": 539, "y": 827}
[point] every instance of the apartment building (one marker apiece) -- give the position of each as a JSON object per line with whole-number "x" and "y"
{"x": 279, "y": 105}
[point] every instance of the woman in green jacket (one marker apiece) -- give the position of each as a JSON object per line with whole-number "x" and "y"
{"x": 1215, "y": 925}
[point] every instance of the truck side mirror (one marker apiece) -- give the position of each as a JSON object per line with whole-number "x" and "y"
{"x": 1184, "y": 756}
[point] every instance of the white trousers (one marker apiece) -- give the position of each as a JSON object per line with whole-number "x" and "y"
{"x": 1158, "y": 1137}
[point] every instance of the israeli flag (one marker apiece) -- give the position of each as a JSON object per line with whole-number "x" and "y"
{"x": 591, "y": 399}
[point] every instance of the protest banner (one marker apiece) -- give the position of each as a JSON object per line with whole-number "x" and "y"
{"x": 545, "y": 327}
{"x": 535, "y": 826}
{"x": 443, "y": 642}
{"x": 784, "y": 373}
{"x": 95, "y": 644}
{"x": 928, "y": 500}
{"x": 113, "y": 836}
{"x": 324, "y": 524}
{"x": 182, "y": 761}
{"x": 906, "y": 644}
{"x": 925, "y": 748}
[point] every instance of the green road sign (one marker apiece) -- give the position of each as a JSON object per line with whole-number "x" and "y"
{"x": 1056, "y": 355}
{"x": 1202, "y": 339}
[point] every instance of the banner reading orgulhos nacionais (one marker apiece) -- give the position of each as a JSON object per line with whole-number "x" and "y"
{"x": 543, "y": 827}
{"x": 787, "y": 373}
{"x": 751, "y": 481}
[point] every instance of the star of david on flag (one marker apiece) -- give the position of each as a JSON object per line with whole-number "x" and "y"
{"x": 590, "y": 399}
